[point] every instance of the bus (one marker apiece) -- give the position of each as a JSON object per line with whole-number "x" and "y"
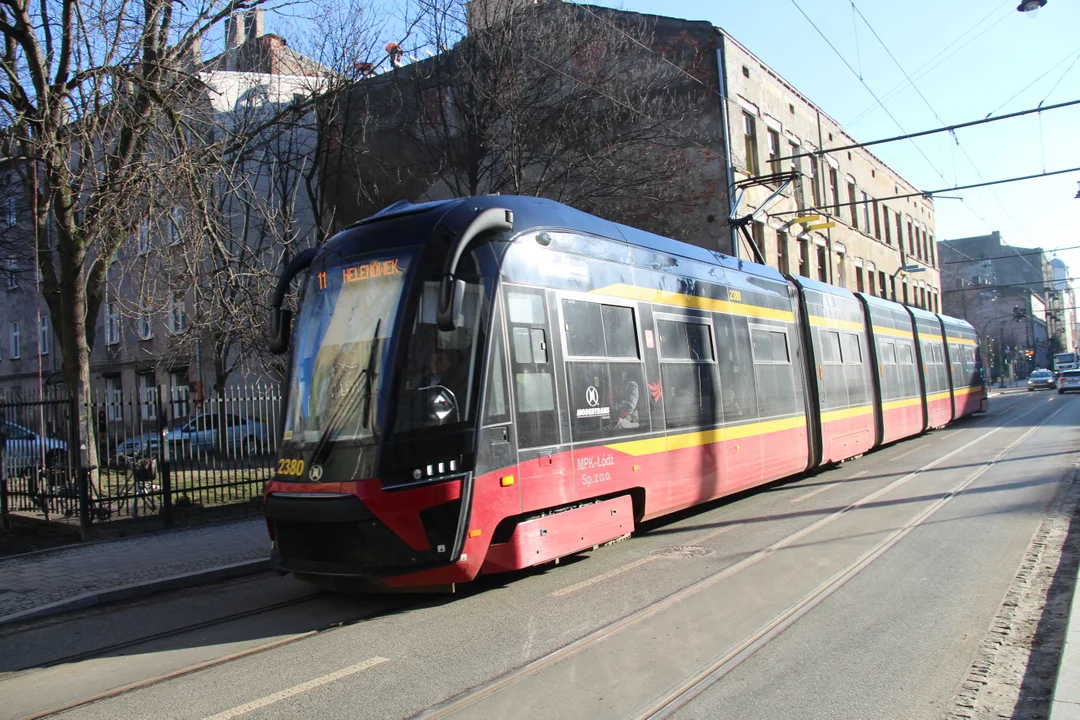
{"x": 485, "y": 384}
{"x": 1065, "y": 361}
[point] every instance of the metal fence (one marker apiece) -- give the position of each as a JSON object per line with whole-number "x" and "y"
{"x": 156, "y": 453}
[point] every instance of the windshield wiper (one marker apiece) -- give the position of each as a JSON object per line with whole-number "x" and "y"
{"x": 349, "y": 402}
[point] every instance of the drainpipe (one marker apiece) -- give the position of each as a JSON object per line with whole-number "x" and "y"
{"x": 729, "y": 172}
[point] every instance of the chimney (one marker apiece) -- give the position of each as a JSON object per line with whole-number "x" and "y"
{"x": 241, "y": 28}
{"x": 192, "y": 58}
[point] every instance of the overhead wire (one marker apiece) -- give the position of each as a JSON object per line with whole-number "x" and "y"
{"x": 1032, "y": 83}
{"x": 1014, "y": 255}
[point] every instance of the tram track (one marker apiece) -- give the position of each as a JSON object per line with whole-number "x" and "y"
{"x": 678, "y": 697}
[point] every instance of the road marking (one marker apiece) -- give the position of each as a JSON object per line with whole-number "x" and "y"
{"x": 603, "y": 576}
{"x": 470, "y": 697}
{"x": 954, "y": 432}
{"x": 672, "y": 702}
{"x": 812, "y": 493}
{"x": 711, "y": 534}
{"x": 297, "y": 689}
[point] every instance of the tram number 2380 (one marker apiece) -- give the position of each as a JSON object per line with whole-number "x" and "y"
{"x": 290, "y": 466}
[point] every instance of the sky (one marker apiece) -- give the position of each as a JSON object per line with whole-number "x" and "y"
{"x": 976, "y": 57}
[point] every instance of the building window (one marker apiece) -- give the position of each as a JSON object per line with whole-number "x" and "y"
{"x": 15, "y": 338}
{"x": 143, "y": 237}
{"x": 859, "y": 279}
{"x": 11, "y": 268}
{"x": 750, "y": 143}
{"x": 877, "y": 220}
{"x": 866, "y": 213}
{"x": 112, "y": 324}
{"x": 888, "y": 227}
{"x": 757, "y": 232}
{"x": 178, "y": 389}
{"x": 173, "y": 226}
{"x": 114, "y": 399}
{"x": 774, "y": 151}
{"x": 146, "y": 327}
{"x": 43, "y": 335}
{"x": 804, "y": 257}
{"x": 899, "y": 231}
{"x": 906, "y": 301}
{"x": 10, "y": 215}
{"x": 782, "y": 252}
{"x": 933, "y": 259}
{"x": 841, "y": 271}
{"x": 822, "y": 264}
{"x": 852, "y": 204}
{"x": 177, "y": 322}
{"x": 147, "y": 397}
{"x": 870, "y": 282}
{"x": 881, "y": 285}
{"x": 910, "y": 238}
{"x": 834, "y": 183}
{"x": 813, "y": 171}
{"x": 796, "y": 167}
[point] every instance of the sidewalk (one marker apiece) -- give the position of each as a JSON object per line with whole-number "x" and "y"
{"x": 68, "y": 578}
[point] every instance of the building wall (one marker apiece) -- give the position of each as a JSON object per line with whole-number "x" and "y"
{"x": 762, "y": 102}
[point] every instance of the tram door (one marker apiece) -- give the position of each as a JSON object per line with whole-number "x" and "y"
{"x": 496, "y": 456}
{"x": 542, "y": 468}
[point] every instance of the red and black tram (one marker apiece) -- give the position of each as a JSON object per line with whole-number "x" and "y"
{"x": 486, "y": 384}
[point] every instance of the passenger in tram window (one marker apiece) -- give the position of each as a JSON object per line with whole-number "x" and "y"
{"x": 627, "y": 392}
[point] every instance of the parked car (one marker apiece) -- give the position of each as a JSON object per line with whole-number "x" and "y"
{"x": 25, "y": 450}
{"x": 1041, "y": 379}
{"x": 190, "y": 437}
{"x": 1069, "y": 380}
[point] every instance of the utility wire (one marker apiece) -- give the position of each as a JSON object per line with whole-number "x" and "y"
{"x": 1026, "y": 87}
{"x": 1071, "y": 66}
{"x": 1015, "y": 255}
{"x": 970, "y": 160}
{"x": 931, "y": 65}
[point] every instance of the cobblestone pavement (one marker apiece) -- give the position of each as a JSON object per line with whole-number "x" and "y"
{"x": 38, "y": 579}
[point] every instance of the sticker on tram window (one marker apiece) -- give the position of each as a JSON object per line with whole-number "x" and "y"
{"x": 290, "y": 466}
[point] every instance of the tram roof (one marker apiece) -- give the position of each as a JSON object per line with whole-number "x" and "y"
{"x": 535, "y": 212}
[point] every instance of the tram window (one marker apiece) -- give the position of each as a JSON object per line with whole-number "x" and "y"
{"x": 607, "y": 399}
{"x": 535, "y": 392}
{"x": 496, "y": 409}
{"x": 737, "y": 378}
{"x": 905, "y": 355}
{"x": 673, "y": 343}
{"x": 689, "y": 394}
{"x": 522, "y": 346}
{"x": 621, "y": 339}
{"x": 770, "y": 346}
{"x": 852, "y": 349}
{"x": 525, "y": 308}
{"x": 830, "y": 347}
{"x": 888, "y": 353}
{"x": 697, "y": 337}
{"x": 584, "y": 328}
{"x": 539, "y": 345}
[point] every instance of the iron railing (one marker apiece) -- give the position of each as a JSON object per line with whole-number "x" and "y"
{"x": 156, "y": 452}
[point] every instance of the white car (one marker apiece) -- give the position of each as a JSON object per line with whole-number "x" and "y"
{"x": 26, "y": 450}
{"x": 1069, "y": 380}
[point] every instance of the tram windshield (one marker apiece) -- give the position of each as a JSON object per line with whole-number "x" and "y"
{"x": 348, "y": 313}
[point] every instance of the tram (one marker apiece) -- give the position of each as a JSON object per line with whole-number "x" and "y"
{"x": 486, "y": 384}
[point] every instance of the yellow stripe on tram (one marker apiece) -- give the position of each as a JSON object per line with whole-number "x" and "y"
{"x": 818, "y": 321}
{"x": 845, "y": 413}
{"x": 706, "y": 437}
{"x": 905, "y": 402}
{"x": 961, "y": 341}
{"x": 665, "y": 297}
{"x": 881, "y": 330}
{"x": 938, "y": 396}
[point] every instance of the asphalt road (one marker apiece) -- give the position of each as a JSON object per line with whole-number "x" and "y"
{"x": 863, "y": 591}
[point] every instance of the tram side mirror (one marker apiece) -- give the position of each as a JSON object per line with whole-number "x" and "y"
{"x": 280, "y": 330}
{"x": 451, "y": 296}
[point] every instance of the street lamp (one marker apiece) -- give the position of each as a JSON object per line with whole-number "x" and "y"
{"x": 1031, "y": 7}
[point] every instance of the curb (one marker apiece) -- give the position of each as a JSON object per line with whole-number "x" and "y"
{"x": 1061, "y": 709}
{"x": 138, "y": 590}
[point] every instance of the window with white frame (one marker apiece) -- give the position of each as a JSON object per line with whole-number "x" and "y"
{"x": 146, "y": 328}
{"x": 11, "y": 270}
{"x": 178, "y": 388}
{"x": 44, "y": 335}
{"x": 114, "y": 399}
{"x": 142, "y": 236}
{"x": 112, "y": 324}
{"x": 10, "y": 214}
{"x": 15, "y": 340}
{"x": 174, "y": 225}
{"x": 177, "y": 321}
{"x": 147, "y": 397}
